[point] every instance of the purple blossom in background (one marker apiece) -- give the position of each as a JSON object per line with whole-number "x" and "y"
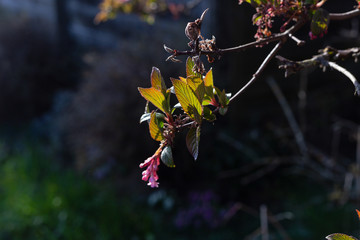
{"x": 201, "y": 211}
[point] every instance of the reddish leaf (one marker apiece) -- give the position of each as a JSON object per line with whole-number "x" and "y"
{"x": 192, "y": 141}
{"x": 156, "y": 97}
{"x": 358, "y": 213}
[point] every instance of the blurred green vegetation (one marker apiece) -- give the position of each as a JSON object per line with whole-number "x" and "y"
{"x": 41, "y": 200}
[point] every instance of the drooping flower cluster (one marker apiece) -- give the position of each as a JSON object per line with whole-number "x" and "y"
{"x": 150, "y": 174}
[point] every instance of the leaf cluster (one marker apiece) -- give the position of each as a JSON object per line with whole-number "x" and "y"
{"x": 198, "y": 100}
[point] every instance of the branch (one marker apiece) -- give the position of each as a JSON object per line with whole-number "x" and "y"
{"x": 347, "y": 74}
{"x": 219, "y": 52}
{"x": 324, "y": 59}
{"x": 277, "y": 37}
{"x": 344, "y": 16}
{"x": 260, "y": 69}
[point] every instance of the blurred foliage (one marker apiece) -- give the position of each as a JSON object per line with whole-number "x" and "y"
{"x": 147, "y": 9}
{"x": 41, "y": 200}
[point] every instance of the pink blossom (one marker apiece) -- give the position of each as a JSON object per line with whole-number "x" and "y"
{"x": 152, "y": 164}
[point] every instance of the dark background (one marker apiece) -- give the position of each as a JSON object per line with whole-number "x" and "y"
{"x": 71, "y": 143}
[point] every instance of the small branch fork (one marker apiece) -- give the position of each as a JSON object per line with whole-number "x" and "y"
{"x": 200, "y": 48}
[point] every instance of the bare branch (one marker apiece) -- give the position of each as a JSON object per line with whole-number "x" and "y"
{"x": 347, "y": 74}
{"x": 344, "y": 16}
{"x": 219, "y": 52}
{"x": 326, "y": 58}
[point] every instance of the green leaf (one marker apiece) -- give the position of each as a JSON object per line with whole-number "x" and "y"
{"x": 223, "y": 110}
{"x": 156, "y": 97}
{"x": 208, "y": 115}
{"x": 188, "y": 100}
{"x": 189, "y": 68}
{"x": 157, "y": 81}
{"x": 166, "y": 157}
{"x": 155, "y": 128}
{"x": 192, "y": 141}
{"x": 319, "y": 22}
{"x": 340, "y": 236}
{"x": 197, "y": 85}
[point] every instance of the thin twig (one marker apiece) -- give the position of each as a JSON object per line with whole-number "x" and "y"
{"x": 299, "y": 137}
{"x": 260, "y": 69}
{"x": 273, "y": 38}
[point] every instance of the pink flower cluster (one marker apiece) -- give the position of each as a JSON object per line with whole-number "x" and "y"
{"x": 152, "y": 164}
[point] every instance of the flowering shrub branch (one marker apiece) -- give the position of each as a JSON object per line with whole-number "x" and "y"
{"x": 199, "y": 100}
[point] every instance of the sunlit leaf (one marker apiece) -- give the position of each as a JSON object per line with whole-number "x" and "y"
{"x": 197, "y": 85}
{"x": 209, "y": 83}
{"x": 155, "y": 128}
{"x": 192, "y": 141}
{"x": 189, "y": 68}
{"x": 340, "y": 236}
{"x": 188, "y": 100}
{"x": 183, "y": 79}
{"x": 156, "y": 97}
{"x": 157, "y": 81}
{"x": 166, "y": 157}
